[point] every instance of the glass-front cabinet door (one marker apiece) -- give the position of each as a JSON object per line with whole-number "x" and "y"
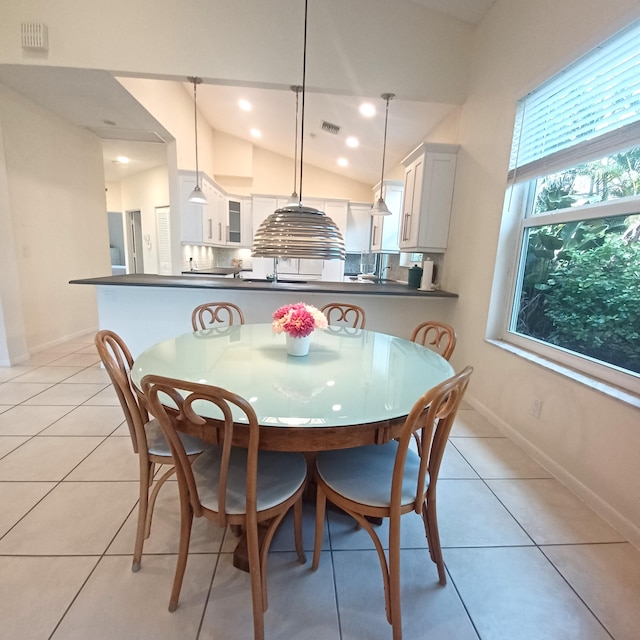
{"x": 235, "y": 222}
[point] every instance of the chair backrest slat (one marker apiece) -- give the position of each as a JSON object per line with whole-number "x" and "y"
{"x": 350, "y": 315}
{"x": 439, "y": 336}
{"x": 206, "y": 315}
{"x": 117, "y": 361}
{"x": 431, "y": 417}
{"x": 174, "y": 402}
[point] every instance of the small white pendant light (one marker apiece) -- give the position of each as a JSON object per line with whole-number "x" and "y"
{"x": 196, "y": 196}
{"x": 380, "y": 208}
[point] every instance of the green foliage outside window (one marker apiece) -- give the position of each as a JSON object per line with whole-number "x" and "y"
{"x": 581, "y": 282}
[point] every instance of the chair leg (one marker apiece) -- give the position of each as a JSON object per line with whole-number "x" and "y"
{"x": 264, "y": 543}
{"x": 152, "y": 498}
{"x": 143, "y": 506}
{"x": 297, "y": 531}
{"x": 384, "y": 565}
{"x": 430, "y": 517}
{"x": 394, "y": 579}
{"x": 255, "y": 573}
{"x": 186, "y": 522}
{"x": 321, "y": 503}
{"x": 425, "y": 522}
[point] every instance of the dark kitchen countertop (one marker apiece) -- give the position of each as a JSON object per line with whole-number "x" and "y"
{"x": 250, "y": 284}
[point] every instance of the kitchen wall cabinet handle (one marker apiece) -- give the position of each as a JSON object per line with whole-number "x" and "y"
{"x": 406, "y": 226}
{"x": 210, "y": 229}
{"x": 220, "y": 231}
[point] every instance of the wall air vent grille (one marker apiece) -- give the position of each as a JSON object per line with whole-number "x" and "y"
{"x": 330, "y": 128}
{"x": 35, "y": 36}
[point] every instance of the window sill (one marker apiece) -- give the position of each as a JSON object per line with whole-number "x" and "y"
{"x": 589, "y": 381}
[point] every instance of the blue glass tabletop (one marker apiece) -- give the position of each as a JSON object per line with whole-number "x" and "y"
{"x": 350, "y": 376}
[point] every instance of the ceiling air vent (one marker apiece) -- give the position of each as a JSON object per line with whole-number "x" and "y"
{"x": 330, "y": 128}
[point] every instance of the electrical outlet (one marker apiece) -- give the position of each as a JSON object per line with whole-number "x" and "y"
{"x": 536, "y": 407}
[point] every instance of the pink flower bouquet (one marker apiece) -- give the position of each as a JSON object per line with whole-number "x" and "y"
{"x": 298, "y": 320}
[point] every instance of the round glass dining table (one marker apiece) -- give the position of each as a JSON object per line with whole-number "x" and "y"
{"x": 355, "y": 387}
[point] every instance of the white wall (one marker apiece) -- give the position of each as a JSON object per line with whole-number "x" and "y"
{"x": 13, "y": 340}
{"x": 56, "y": 214}
{"x": 144, "y": 192}
{"x": 255, "y": 42}
{"x": 236, "y": 165}
{"x": 589, "y": 439}
{"x": 274, "y": 176}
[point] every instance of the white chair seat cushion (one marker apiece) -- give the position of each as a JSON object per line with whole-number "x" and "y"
{"x": 363, "y": 474}
{"x": 280, "y": 475}
{"x": 157, "y": 444}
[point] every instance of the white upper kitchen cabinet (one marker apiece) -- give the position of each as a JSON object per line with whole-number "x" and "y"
{"x": 238, "y": 222}
{"x": 358, "y": 233}
{"x": 333, "y": 270}
{"x": 198, "y": 221}
{"x": 223, "y": 221}
{"x": 384, "y": 229}
{"x": 191, "y": 215}
{"x": 428, "y": 192}
{"x": 211, "y": 212}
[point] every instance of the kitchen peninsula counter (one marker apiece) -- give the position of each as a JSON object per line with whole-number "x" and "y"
{"x": 202, "y": 281}
{"x": 145, "y": 308}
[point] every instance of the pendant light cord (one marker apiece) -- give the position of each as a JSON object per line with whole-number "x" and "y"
{"x": 387, "y": 97}
{"x": 196, "y": 81}
{"x": 195, "y": 120}
{"x": 296, "y": 88}
{"x": 304, "y": 84}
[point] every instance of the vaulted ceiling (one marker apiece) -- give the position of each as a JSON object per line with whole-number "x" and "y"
{"x": 89, "y": 98}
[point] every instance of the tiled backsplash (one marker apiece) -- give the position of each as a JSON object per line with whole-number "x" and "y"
{"x": 208, "y": 257}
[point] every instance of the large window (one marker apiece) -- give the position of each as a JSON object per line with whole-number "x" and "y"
{"x": 574, "y": 186}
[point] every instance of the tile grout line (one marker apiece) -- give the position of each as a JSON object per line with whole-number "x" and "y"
{"x": 333, "y": 573}
{"x": 535, "y": 544}
{"x": 32, "y": 437}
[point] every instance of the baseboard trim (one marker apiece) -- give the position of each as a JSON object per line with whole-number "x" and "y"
{"x": 619, "y": 522}
{"x": 52, "y": 343}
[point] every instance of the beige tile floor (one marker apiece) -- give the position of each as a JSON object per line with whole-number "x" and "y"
{"x": 526, "y": 559}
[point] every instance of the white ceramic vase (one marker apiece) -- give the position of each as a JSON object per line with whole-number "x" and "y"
{"x": 298, "y": 346}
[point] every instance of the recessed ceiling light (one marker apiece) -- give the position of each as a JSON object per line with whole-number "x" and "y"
{"x": 123, "y": 160}
{"x": 367, "y": 110}
{"x": 256, "y": 133}
{"x": 343, "y": 162}
{"x": 245, "y": 105}
{"x": 353, "y": 142}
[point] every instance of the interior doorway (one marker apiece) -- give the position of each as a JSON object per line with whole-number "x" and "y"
{"x": 134, "y": 242}
{"x": 117, "y": 243}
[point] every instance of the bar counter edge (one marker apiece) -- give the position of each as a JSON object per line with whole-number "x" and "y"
{"x": 145, "y": 309}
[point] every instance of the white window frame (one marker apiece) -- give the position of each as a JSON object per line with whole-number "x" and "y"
{"x": 582, "y": 364}
{"x": 517, "y": 218}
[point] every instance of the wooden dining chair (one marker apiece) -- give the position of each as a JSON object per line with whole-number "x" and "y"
{"x": 147, "y": 438}
{"x": 227, "y": 484}
{"x": 345, "y": 314}
{"x": 439, "y": 336}
{"x": 390, "y": 480}
{"x": 211, "y": 313}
